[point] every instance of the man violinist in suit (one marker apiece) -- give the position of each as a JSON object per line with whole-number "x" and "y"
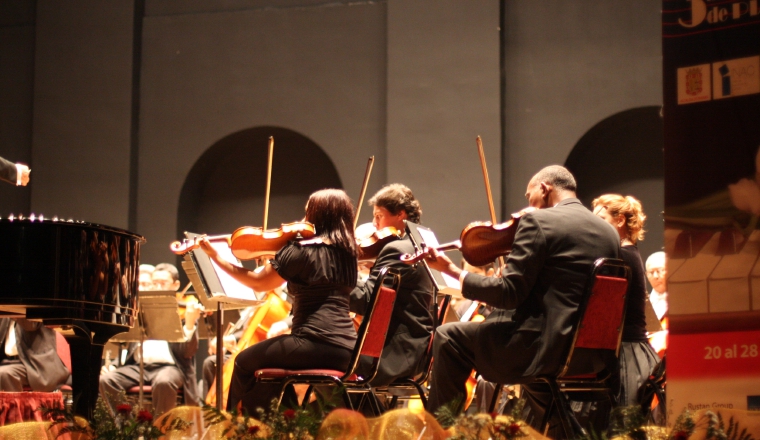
{"x": 535, "y": 299}
{"x": 411, "y": 323}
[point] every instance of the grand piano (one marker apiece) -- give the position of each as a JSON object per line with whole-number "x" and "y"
{"x": 79, "y": 277}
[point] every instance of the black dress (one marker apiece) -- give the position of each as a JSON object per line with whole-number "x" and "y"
{"x": 320, "y": 278}
{"x": 637, "y": 358}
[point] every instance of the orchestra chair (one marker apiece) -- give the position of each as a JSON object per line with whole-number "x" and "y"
{"x": 133, "y": 396}
{"x": 408, "y": 387}
{"x": 369, "y": 343}
{"x": 590, "y": 359}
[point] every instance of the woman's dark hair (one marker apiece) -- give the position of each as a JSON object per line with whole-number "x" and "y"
{"x": 332, "y": 214}
{"x": 396, "y": 197}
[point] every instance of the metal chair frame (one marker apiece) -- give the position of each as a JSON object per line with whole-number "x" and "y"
{"x": 370, "y": 340}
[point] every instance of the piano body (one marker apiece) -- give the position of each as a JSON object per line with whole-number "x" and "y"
{"x": 76, "y": 276}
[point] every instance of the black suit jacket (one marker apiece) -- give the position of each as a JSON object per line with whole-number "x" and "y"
{"x": 547, "y": 271}
{"x": 412, "y": 321}
{"x": 37, "y": 351}
{"x": 183, "y": 354}
{"x": 8, "y": 171}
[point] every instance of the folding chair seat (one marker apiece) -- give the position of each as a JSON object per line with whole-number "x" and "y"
{"x": 595, "y": 346}
{"x": 369, "y": 343}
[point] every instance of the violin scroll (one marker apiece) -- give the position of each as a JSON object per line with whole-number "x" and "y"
{"x": 190, "y": 244}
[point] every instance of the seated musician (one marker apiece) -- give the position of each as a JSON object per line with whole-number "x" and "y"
{"x": 637, "y": 358}
{"x": 412, "y": 321}
{"x": 28, "y": 357}
{"x": 320, "y": 272}
{"x": 167, "y": 366}
{"x": 657, "y": 276}
{"x": 535, "y": 299}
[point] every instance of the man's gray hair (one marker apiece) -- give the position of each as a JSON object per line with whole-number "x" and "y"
{"x": 557, "y": 176}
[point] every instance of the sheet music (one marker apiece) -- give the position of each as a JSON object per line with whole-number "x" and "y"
{"x": 230, "y": 285}
{"x": 214, "y": 284}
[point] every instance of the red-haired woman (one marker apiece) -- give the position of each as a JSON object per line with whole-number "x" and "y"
{"x": 637, "y": 357}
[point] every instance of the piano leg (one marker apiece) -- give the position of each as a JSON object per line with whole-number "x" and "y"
{"x": 85, "y": 375}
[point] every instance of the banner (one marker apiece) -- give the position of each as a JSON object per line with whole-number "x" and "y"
{"x": 711, "y": 86}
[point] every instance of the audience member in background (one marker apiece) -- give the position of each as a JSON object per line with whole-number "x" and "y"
{"x": 657, "y": 274}
{"x": 167, "y": 366}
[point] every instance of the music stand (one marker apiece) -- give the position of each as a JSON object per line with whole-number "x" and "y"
{"x": 215, "y": 288}
{"x": 157, "y": 319}
{"x": 423, "y": 238}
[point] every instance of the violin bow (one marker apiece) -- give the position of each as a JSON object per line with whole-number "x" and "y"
{"x": 367, "y": 173}
{"x": 482, "y": 155}
{"x": 269, "y": 182}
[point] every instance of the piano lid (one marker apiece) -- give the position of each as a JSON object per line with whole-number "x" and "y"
{"x": 58, "y": 270}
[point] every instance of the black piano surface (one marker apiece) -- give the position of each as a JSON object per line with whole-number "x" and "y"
{"x": 79, "y": 276}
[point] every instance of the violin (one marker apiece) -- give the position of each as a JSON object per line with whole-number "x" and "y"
{"x": 372, "y": 241}
{"x": 251, "y": 242}
{"x": 480, "y": 242}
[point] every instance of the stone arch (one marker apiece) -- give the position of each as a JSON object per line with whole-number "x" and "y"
{"x": 225, "y": 189}
{"x": 624, "y": 154}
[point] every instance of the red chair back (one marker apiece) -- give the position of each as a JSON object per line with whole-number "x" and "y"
{"x": 602, "y": 321}
{"x": 374, "y": 328}
{"x": 602, "y": 315}
{"x": 380, "y": 320}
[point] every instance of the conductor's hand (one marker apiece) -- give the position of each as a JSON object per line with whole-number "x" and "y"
{"x": 207, "y": 248}
{"x": 23, "y": 173}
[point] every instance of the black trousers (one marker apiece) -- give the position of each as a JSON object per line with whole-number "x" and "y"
{"x": 286, "y": 351}
{"x": 455, "y": 350}
{"x": 164, "y": 379}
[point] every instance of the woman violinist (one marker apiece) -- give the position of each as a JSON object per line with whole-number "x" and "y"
{"x": 637, "y": 358}
{"x": 320, "y": 273}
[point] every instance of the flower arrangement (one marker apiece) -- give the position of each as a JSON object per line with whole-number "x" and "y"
{"x": 125, "y": 423}
{"x": 473, "y": 427}
{"x": 273, "y": 424}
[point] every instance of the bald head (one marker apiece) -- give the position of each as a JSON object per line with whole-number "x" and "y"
{"x": 550, "y": 186}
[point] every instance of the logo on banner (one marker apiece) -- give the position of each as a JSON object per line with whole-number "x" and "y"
{"x": 694, "y": 81}
{"x": 693, "y": 84}
{"x": 736, "y": 77}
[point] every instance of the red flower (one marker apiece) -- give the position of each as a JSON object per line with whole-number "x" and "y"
{"x": 144, "y": 416}
{"x": 124, "y": 408}
{"x": 493, "y": 415}
{"x": 253, "y": 429}
{"x": 514, "y": 429}
{"x": 289, "y": 414}
{"x": 680, "y": 435}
